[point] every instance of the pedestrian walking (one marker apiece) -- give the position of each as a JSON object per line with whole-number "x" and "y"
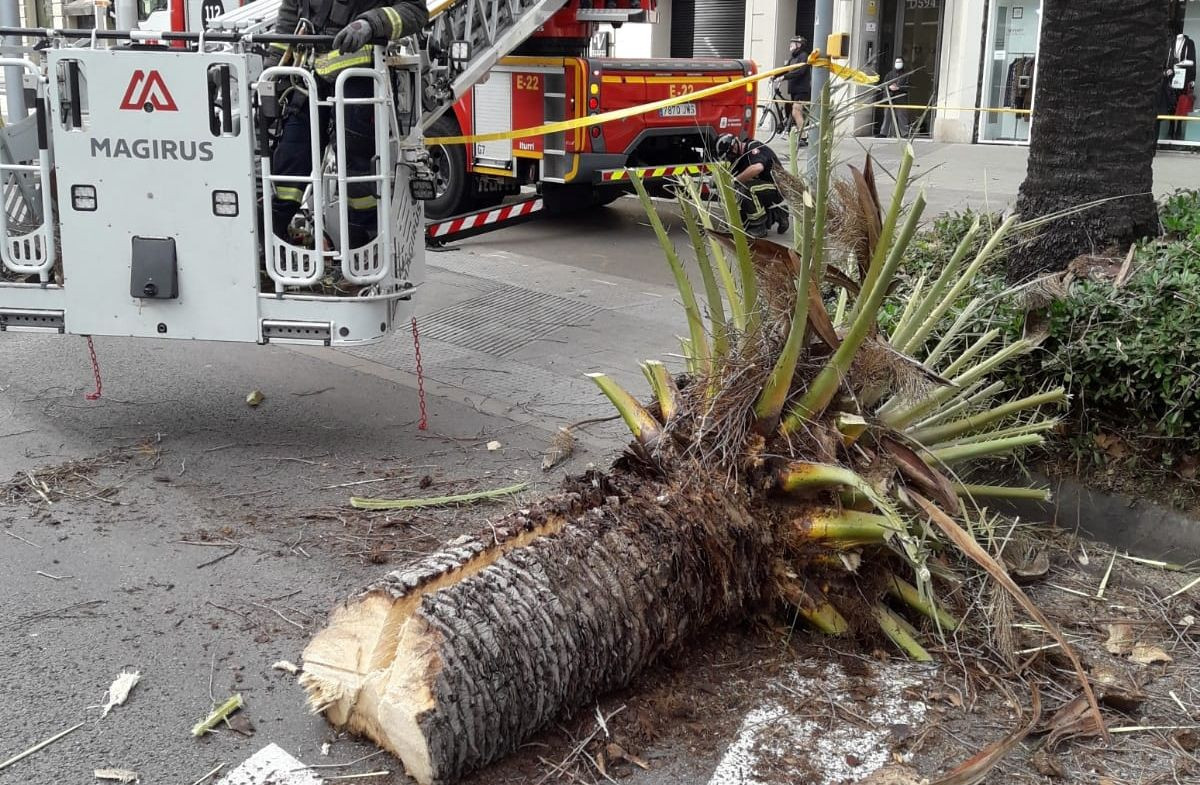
{"x": 895, "y": 91}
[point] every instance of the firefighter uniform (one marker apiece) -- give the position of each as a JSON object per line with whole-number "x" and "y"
{"x": 359, "y": 25}
{"x": 759, "y": 195}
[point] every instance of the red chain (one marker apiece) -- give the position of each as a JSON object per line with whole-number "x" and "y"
{"x": 424, "y": 425}
{"x": 95, "y": 395}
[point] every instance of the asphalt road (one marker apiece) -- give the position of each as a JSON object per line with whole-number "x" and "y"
{"x": 198, "y": 540}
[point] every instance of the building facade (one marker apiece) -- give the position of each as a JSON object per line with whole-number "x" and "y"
{"x": 972, "y": 62}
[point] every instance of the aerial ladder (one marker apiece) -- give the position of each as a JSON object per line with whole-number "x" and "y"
{"x": 465, "y": 38}
{"x": 137, "y": 193}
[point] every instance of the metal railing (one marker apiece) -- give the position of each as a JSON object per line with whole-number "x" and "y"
{"x": 291, "y": 265}
{"x": 31, "y": 252}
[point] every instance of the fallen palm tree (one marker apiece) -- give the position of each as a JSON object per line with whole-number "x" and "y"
{"x": 796, "y": 434}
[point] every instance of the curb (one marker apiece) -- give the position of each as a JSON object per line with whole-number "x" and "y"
{"x": 1136, "y": 526}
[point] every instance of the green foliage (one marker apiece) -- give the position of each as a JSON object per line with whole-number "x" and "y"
{"x": 1133, "y": 354}
{"x": 1180, "y": 214}
{"x": 929, "y": 253}
{"x": 932, "y": 248}
{"x": 1129, "y": 356}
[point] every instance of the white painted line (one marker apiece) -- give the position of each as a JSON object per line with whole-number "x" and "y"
{"x": 836, "y": 751}
{"x": 271, "y": 766}
{"x": 606, "y": 283}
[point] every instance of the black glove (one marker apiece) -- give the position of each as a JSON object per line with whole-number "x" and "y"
{"x": 353, "y": 36}
{"x": 272, "y": 56}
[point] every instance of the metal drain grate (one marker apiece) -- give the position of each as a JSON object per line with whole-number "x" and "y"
{"x": 505, "y": 319}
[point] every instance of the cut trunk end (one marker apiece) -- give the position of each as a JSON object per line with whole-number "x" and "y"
{"x": 452, "y": 664}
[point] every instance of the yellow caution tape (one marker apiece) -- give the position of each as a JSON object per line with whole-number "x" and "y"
{"x": 817, "y": 60}
{"x": 917, "y": 107}
{"x": 938, "y": 108}
{"x": 634, "y": 111}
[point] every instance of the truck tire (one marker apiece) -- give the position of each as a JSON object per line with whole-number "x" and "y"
{"x": 451, "y": 180}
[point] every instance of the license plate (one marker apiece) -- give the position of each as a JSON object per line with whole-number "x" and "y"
{"x": 679, "y": 110}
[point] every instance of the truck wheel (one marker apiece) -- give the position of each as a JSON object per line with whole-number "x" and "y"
{"x": 450, "y": 175}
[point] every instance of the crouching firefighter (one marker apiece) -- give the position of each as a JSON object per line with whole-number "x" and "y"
{"x": 357, "y": 26}
{"x": 759, "y": 200}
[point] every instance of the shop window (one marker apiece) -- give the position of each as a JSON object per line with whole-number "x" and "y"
{"x": 1177, "y": 93}
{"x": 1010, "y": 70}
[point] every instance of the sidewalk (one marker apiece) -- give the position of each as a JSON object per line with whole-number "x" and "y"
{"x": 984, "y": 176}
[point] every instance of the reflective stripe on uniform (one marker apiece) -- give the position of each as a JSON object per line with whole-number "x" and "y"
{"x": 332, "y": 62}
{"x": 363, "y": 202}
{"x": 759, "y": 209}
{"x": 286, "y": 193}
{"x": 396, "y": 22}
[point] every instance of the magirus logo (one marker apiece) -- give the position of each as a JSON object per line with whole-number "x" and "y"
{"x": 151, "y": 149}
{"x": 148, "y": 92}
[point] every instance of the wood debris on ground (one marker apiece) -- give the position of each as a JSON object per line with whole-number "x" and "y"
{"x": 116, "y": 775}
{"x": 118, "y": 691}
{"x": 560, "y": 449}
{"x": 40, "y": 745}
{"x": 437, "y": 501}
{"x": 218, "y": 715}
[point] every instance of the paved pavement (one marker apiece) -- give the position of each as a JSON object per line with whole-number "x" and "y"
{"x": 95, "y": 583}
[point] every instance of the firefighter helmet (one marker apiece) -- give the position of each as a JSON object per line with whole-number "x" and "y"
{"x": 724, "y": 145}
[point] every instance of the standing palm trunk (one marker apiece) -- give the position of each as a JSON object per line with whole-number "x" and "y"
{"x": 1094, "y": 133}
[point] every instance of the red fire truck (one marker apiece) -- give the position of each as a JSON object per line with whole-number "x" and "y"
{"x": 586, "y": 166}
{"x": 550, "y": 77}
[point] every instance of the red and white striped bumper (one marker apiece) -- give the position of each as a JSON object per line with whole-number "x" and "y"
{"x": 452, "y": 226}
{"x": 650, "y": 172}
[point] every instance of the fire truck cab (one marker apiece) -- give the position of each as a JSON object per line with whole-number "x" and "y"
{"x": 587, "y": 166}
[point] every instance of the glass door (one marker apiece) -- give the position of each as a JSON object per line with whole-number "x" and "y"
{"x": 912, "y": 30}
{"x": 1011, "y": 71}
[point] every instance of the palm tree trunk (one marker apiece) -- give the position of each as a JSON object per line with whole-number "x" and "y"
{"x": 453, "y": 663}
{"x": 1094, "y": 133}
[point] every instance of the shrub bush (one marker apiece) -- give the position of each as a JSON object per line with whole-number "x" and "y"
{"x": 1129, "y": 355}
{"x": 1180, "y": 214}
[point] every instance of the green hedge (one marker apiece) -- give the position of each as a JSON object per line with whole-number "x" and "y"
{"x": 1130, "y": 356}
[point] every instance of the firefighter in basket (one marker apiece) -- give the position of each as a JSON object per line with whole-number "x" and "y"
{"x": 761, "y": 205}
{"x": 357, "y": 26}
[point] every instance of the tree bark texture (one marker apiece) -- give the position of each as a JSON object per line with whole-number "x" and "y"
{"x": 1094, "y": 132}
{"x": 452, "y": 663}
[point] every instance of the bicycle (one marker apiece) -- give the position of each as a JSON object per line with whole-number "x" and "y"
{"x": 775, "y": 116}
